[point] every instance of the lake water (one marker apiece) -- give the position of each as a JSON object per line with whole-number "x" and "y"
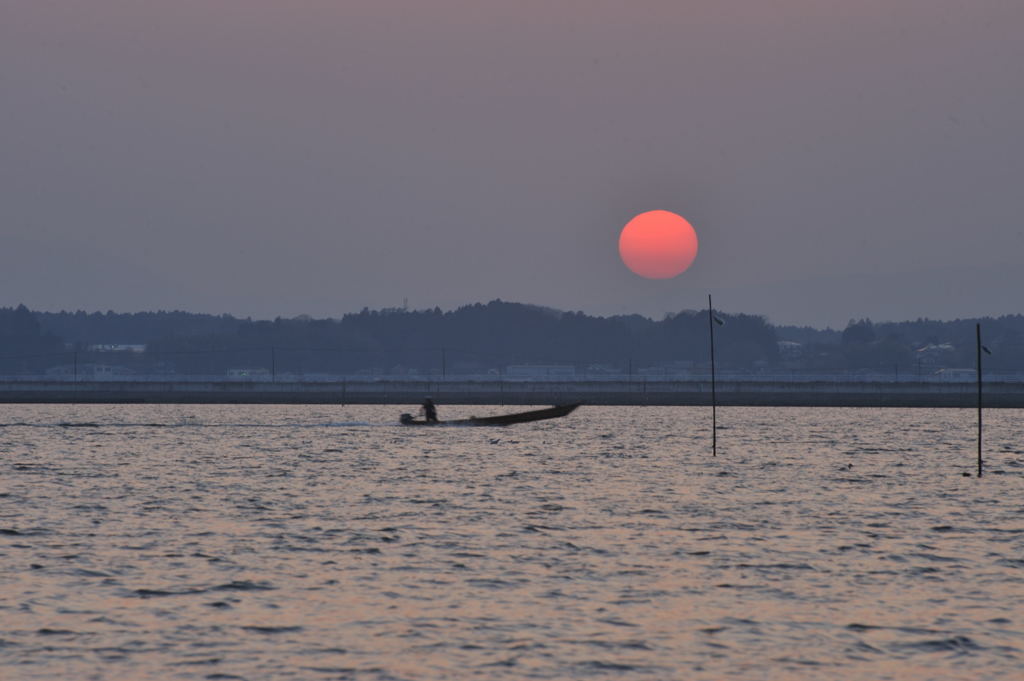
{"x": 266, "y": 542}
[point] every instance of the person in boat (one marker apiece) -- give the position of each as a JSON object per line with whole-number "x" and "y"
{"x": 429, "y": 410}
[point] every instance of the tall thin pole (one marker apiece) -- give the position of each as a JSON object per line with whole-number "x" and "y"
{"x": 977, "y": 329}
{"x": 444, "y": 364}
{"x": 714, "y": 419}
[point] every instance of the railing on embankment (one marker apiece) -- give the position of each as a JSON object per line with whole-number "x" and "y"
{"x": 838, "y": 393}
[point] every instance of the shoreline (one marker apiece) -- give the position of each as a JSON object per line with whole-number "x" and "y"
{"x": 448, "y": 391}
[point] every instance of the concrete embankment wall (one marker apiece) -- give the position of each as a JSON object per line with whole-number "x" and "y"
{"x": 730, "y": 392}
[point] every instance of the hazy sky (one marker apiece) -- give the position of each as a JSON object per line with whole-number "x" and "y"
{"x": 260, "y": 157}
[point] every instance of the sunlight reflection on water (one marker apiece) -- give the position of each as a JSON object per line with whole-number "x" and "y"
{"x": 203, "y": 542}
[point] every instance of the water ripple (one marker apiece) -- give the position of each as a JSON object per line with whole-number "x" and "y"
{"x": 259, "y": 542}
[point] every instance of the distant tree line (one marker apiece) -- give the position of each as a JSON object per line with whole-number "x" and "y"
{"x": 486, "y": 338}
{"x": 27, "y": 346}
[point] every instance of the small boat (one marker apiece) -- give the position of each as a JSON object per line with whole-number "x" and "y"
{"x": 502, "y": 420}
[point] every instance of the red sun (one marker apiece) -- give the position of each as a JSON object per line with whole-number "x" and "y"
{"x": 658, "y": 244}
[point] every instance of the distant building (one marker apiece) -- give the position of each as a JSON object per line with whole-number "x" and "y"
{"x": 540, "y": 370}
{"x": 682, "y": 367}
{"x": 934, "y": 356}
{"x": 89, "y": 371}
{"x": 259, "y": 372}
{"x": 956, "y": 374}
{"x": 790, "y": 349}
{"x": 934, "y": 353}
{"x": 117, "y": 347}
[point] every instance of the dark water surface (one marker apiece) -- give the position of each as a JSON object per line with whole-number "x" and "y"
{"x": 263, "y": 542}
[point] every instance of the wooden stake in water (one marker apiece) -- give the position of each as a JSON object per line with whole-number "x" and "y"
{"x": 714, "y": 420}
{"x": 977, "y": 329}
